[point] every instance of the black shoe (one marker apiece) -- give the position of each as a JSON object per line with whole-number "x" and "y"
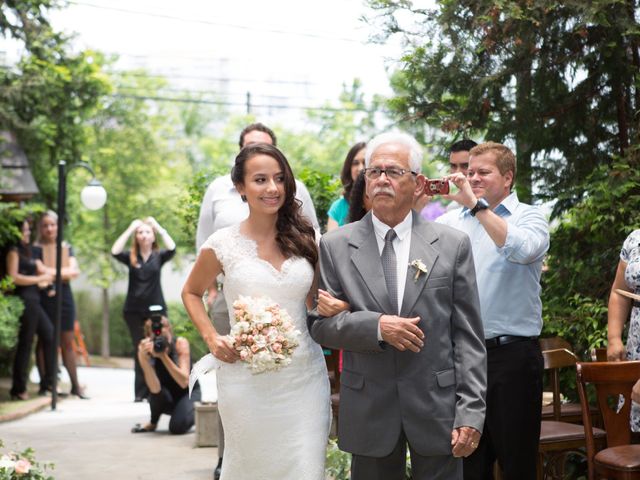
{"x": 78, "y": 393}
{"x": 218, "y": 470}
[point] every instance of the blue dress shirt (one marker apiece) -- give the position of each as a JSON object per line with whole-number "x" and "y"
{"x": 508, "y": 276}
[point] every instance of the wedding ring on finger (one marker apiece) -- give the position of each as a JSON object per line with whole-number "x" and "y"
{"x": 474, "y": 445}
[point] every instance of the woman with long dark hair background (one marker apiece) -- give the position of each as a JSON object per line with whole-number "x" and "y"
{"x": 25, "y": 267}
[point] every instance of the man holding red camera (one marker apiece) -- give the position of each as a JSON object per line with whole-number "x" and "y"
{"x": 509, "y": 240}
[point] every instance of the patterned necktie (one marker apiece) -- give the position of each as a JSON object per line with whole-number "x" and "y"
{"x": 389, "y": 268}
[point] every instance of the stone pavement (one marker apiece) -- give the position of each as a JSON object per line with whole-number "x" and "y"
{"x": 92, "y": 439}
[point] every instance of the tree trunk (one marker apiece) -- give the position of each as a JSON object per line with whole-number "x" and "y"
{"x": 106, "y": 352}
{"x": 524, "y": 117}
{"x": 104, "y": 349}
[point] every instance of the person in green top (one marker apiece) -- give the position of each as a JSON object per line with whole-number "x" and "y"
{"x": 353, "y": 164}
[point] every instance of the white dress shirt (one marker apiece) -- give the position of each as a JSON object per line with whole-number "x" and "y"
{"x": 401, "y": 246}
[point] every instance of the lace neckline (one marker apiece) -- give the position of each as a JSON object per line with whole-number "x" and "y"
{"x": 253, "y": 248}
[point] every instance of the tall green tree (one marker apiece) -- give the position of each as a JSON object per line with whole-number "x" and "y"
{"x": 557, "y": 80}
{"x": 141, "y": 151}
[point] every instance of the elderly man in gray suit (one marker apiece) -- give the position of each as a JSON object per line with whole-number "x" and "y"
{"x": 414, "y": 355}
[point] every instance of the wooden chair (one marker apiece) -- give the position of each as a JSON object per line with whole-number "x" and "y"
{"x": 620, "y": 460}
{"x": 568, "y": 412}
{"x": 559, "y": 438}
{"x": 599, "y": 354}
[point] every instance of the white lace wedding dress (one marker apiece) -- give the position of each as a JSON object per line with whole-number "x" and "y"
{"x": 276, "y": 424}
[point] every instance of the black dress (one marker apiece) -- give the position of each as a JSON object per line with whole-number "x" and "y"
{"x": 68, "y": 317}
{"x": 34, "y": 320}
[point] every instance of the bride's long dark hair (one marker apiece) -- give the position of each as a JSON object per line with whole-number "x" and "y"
{"x": 294, "y": 234}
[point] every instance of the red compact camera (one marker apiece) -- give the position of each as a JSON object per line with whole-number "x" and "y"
{"x": 437, "y": 187}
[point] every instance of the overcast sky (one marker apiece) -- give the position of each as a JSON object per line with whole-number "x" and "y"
{"x": 284, "y": 52}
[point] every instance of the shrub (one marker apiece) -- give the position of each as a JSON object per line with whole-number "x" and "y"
{"x": 23, "y": 466}
{"x": 184, "y": 327}
{"x": 11, "y": 307}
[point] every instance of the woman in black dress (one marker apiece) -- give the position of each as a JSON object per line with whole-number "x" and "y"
{"x": 144, "y": 260}
{"x": 47, "y": 236}
{"x": 25, "y": 267}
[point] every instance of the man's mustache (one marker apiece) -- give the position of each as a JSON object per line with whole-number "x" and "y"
{"x": 384, "y": 191}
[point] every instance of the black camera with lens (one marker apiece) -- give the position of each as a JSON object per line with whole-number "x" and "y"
{"x": 160, "y": 342}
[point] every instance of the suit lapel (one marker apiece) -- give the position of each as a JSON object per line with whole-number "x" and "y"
{"x": 366, "y": 259}
{"x": 422, "y": 238}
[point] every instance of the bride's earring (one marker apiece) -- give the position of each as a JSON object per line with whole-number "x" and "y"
{"x": 243, "y": 197}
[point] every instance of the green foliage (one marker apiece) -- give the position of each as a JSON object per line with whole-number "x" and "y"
{"x": 338, "y": 463}
{"x": 90, "y": 317}
{"x": 323, "y": 188}
{"x": 584, "y": 254}
{"x": 184, "y": 327}
{"x": 11, "y": 216}
{"x": 557, "y": 80}
{"x": 23, "y": 466}
{"x": 11, "y": 307}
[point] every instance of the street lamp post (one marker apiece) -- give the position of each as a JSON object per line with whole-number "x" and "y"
{"x": 93, "y": 197}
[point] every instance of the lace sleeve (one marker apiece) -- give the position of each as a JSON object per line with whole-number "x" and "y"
{"x": 217, "y": 243}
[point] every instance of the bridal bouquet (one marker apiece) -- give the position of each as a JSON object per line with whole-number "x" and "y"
{"x": 264, "y": 334}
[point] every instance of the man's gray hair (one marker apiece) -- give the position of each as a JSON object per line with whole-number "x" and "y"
{"x": 404, "y": 139}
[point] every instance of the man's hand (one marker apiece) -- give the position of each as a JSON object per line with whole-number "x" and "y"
{"x": 212, "y": 293}
{"x": 635, "y": 392}
{"x": 402, "y": 333}
{"x": 464, "y": 441}
{"x": 421, "y": 201}
{"x": 464, "y": 195}
{"x": 328, "y": 305}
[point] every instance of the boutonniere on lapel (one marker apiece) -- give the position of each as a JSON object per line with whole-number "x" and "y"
{"x": 420, "y": 268}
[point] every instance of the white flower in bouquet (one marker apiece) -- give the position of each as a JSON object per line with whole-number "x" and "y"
{"x": 264, "y": 334}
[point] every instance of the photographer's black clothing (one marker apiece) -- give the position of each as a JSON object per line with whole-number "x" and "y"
{"x": 135, "y": 323}
{"x": 143, "y": 291}
{"x": 173, "y": 399}
{"x": 34, "y": 320}
{"x": 144, "y": 281}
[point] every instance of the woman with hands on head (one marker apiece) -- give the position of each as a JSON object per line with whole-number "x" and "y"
{"x": 144, "y": 261}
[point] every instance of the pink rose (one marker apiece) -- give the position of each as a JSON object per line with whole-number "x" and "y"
{"x": 277, "y": 347}
{"x": 254, "y": 348}
{"x": 250, "y": 339}
{"x": 244, "y": 354}
{"x": 243, "y": 337}
{"x": 22, "y": 466}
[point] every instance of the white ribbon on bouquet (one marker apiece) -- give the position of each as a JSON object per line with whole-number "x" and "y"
{"x": 202, "y": 367}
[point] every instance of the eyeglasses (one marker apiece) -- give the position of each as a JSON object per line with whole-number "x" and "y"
{"x": 395, "y": 173}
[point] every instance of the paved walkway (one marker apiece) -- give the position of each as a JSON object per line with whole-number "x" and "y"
{"x": 91, "y": 439}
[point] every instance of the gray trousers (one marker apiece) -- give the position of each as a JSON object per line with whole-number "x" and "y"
{"x": 219, "y": 315}
{"x": 392, "y": 467}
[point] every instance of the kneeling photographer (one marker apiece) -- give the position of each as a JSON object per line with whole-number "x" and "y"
{"x": 166, "y": 363}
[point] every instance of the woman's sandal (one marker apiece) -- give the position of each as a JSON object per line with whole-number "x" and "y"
{"x": 137, "y": 428}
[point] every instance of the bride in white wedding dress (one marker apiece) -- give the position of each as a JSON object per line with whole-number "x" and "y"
{"x": 276, "y": 423}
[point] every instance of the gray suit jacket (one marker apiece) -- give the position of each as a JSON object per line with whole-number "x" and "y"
{"x": 383, "y": 390}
